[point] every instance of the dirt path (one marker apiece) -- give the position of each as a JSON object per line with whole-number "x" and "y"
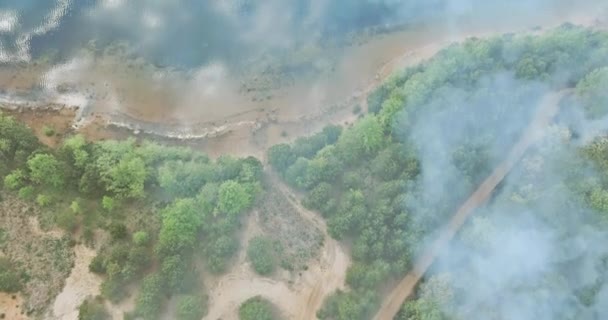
{"x": 330, "y": 274}
{"x": 546, "y": 111}
{"x": 78, "y": 286}
{"x": 299, "y": 300}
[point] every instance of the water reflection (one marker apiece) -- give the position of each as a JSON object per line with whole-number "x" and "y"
{"x": 205, "y": 64}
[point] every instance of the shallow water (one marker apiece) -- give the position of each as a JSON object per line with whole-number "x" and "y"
{"x": 192, "y": 33}
{"x": 193, "y": 68}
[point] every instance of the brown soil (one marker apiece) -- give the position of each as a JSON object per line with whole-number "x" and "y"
{"x": 11, "y": 306}
{"x": 298, "y": 299}
{"x": 37, "y": 119}
{"x": 546, "y": 111}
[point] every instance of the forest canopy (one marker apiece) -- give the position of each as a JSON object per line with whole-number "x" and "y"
{"x": 433, "y": 133}
{"x": 163, "y": 206}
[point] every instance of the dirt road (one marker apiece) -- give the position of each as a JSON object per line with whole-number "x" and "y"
{"x": 546, "y": 111}
{"x": 78, "y": 286}
{"x": 299, "y": 300}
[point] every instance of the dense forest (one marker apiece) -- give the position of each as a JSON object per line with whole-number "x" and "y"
{"x": 433, "y": 132}
{"x": 163, "y": 208}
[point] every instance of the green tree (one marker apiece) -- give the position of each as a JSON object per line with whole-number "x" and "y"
{"x": 262, "y": 254}
{"x": 97, "y": 265}
{"x": 180, "y": 223}
{"x": 233, "y": 198}
{"x": 76, "y": 207}
{"x": 149, "y": 302}
{"x": 141, "y": 238}
{"x": 296, "y": 173}
{"x": 281, "y": 157}
{"x": 363, "y": 139}
{"x": 43, "y": 200}
{"x": 118, "y": 231}
{"x": 127, "y": 178}
{"x": 191, "y": 307}
{"x": 251, "y": 170}
{"x": 593, "y": 94}
{"x": 185, "y": 179}
{"x": 228, "y": 167}
{"x": 16, "y": 140}
{"x": 344, "y": 306}
{"x": 92, "y": 309}
{"x": 319, "y": 197}
{"x": 219, "y": 248}
{"x": 434, "y": 303}
{"x": 108, "y": 203}
{"x": 15, "y": 180}
{"x": 173, "y": 271}
{"x": 75, "y": 147}
{"x": 27, "y": 193}
{"x": 256, "y": 308}
{"x": 331, "y": 134}
{"x": 138, "y": 260}
{"x": 46, "y": 170}
{"x": 66, "y": 220}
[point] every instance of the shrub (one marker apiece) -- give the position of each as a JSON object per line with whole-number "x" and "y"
{"x": 97, "y": 265}
{"x": 141, "y": 238}
{"x": 75, "y": 206}
{"x": 92, "y": 309}
{"x": 118, "y": 231}
{"x": 10, "y": 281}
{"x": 108, "y": 203}
{"x": 14, "y": 180}
{"x": 191, "y": 307}
{"x": 261, "y": 253}
{"x": 233, "y": 198}
{"x": 66, "y": 220}
{"x": 46, "y": 170}
{"x": 256, "y": 308}
{"x": 148, "y": 304}
{"x": 26, "y": 193}
{"x": 48, "y": 131}
{"x": 43, "y": 200}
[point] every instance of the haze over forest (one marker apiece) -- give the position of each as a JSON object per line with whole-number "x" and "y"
{"x": 303, "y": 159}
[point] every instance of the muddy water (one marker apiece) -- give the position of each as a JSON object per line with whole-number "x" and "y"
{"x": 210, "y": 101}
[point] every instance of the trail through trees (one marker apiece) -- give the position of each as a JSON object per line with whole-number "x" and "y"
{"x": 546, "y": 111}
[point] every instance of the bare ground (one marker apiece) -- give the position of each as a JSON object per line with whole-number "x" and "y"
{"x": 298, "y": 299}
{"x": 11, "y": 306}
{"x": 78, "y": 286}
